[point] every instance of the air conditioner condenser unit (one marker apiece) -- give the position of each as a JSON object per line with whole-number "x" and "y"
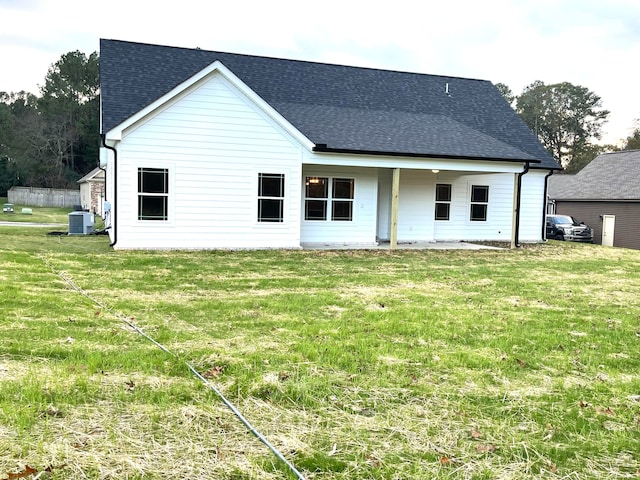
{"x": 80, "y": 223}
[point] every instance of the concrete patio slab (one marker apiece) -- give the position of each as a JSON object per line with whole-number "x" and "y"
{"x": 401, "y": 246}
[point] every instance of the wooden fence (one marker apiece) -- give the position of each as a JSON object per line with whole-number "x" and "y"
{"x": 43, "y": 197}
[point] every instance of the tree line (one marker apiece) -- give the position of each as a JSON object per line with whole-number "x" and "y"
{"x": 52, "y": 139}
{"x": 568, "y": 120}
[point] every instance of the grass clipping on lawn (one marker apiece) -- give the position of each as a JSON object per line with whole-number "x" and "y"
{"x": 355, "y": 365}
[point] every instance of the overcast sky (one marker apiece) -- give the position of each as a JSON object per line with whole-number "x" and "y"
{"x": 595, "y": 44}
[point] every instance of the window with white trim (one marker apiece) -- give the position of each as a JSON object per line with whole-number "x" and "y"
{"x": 323, "y": 195}
{"x": 316, "y": 193}
{"x": 342, "y": 199}
{"x": 479, "y": 203}
{"x": 153, "y": 194}
{"x": 443, "y": 201}
{"x": 271, "y": 197}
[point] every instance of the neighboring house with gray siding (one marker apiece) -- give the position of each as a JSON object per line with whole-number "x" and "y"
{"x": 207, "y": 149}
{"x": 607, "y": 187}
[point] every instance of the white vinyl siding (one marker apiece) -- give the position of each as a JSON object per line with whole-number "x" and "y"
{"x": 532, "y": 204}
{"x": 215, "y": 143}
{"x": 416, "y": 205}
{"x": 499, "y": 208}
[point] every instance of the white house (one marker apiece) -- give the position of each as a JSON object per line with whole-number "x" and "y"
{"x": 92, "y": 191}
{"x": 208, "y": 150}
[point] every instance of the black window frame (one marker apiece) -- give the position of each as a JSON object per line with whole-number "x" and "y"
{"x": 442, "y": 210}
{"x": 316, "y": 198}
{"x": 329, "y": 198}
{"x": 153, "y": 194}
{"x": 479, "y": 203}
{"x": 271, "y": 196}
{"x": 341, "y": 199}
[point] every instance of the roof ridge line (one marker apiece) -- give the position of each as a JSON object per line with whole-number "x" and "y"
{"x": 313, "y": 62}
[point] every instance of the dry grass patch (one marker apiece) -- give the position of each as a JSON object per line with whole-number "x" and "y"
{"x": 356, "y": 365}
{"x": 109, "y": 441}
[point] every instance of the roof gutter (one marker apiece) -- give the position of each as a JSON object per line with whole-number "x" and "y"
{"x": 323, "y": 148}
{"x": 544, "y": 209}
{"x": 518, "y": 202}
{"x": 114, "y": 204}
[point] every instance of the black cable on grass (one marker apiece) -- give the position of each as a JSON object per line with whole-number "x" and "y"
{"x": 211, "y": 386}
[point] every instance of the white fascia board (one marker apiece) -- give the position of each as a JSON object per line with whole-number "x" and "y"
{"x": 217, "y": 66}
{"x": 414, "y": 163}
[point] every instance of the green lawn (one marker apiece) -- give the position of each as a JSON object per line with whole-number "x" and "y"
{"x": 37, "y": 215}
{"x": 491, "y": 364}
{"x": 44, "y": 215}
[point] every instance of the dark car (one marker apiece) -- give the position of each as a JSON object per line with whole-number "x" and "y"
{"x": 565, "y": 227}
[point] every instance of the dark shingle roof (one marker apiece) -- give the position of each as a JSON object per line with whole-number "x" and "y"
{"x": 610, "y": 176}
{"x": 344, "y": 108}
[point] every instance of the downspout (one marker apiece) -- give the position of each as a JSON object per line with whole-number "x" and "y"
{"x": 546, "y": 201}
{"x": 518, "y": 201}
{"x": 114, "y": 217}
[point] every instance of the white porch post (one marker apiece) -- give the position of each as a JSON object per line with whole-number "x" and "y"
{"x": 395, "y": 195}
